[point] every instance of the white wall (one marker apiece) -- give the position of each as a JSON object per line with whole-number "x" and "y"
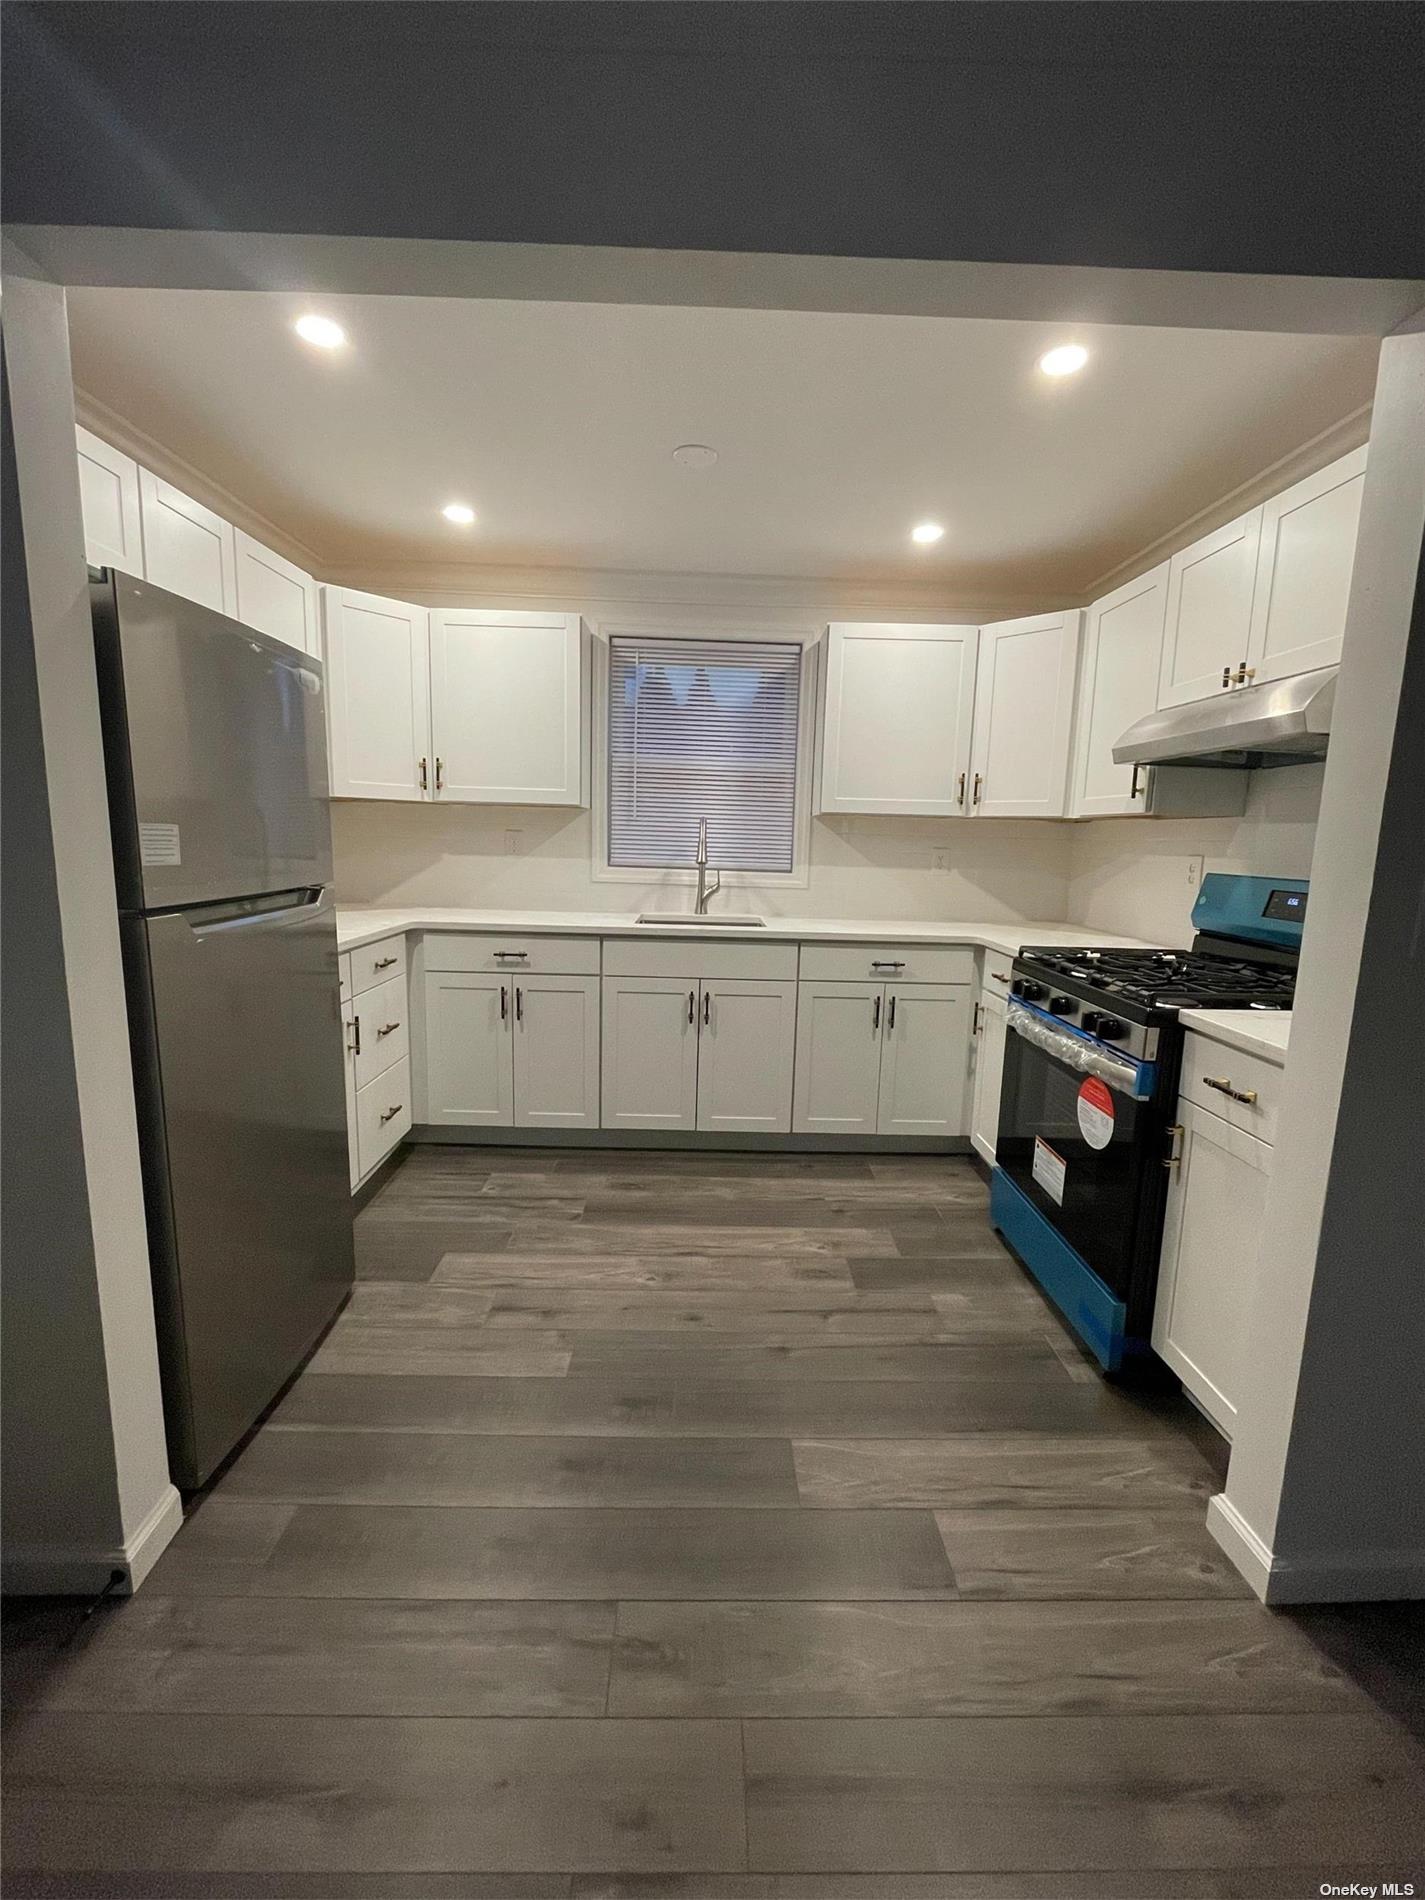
{"x": 860, "y": 867}
{"x": 1136, "y": 877}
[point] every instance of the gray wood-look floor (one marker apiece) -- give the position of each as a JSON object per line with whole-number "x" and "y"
{"x": 708, "y": 1527}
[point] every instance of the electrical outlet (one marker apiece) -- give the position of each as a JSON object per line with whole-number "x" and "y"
{"x": 1194, "y": 873}
{"x": 940, "y": 857}
{"x": 514, "y": 844}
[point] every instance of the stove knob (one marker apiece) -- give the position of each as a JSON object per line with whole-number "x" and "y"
{"x": 1031, "y": 992}
{"x": 1099, "y": 1024}
{"x": 1062, "y": 1005}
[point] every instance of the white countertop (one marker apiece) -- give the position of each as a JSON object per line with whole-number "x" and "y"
{"x": 357, "y": 926}
{"x": 1258, "y": 1032}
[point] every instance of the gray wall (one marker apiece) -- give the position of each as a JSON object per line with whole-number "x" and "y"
{"x": 59, "y": 1482}
{"x": 1216, "y": 135}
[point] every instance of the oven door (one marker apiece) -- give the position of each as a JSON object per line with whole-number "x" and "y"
{"x": 1080, "y": 1135}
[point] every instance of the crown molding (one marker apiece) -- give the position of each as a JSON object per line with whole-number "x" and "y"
{"x": 126, "y": 436}
{"x": 1343, "y": 436}
{"x": 444, "y": 584}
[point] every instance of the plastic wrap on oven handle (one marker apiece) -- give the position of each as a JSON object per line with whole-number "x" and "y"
{"x": 1075, "y": 1053}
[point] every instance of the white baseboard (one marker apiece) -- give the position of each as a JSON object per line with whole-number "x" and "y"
{"x": 55, "y": 1570}
{"x": 1356, "y": 1576}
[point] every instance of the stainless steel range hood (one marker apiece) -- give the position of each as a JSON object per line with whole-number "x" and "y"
{"x": 1284, "y": 722}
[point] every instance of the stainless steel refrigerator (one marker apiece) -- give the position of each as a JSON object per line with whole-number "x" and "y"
{"x": 215, "y": 747}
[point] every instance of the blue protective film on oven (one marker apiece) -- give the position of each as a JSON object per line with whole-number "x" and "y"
{"x": 1086, "y": 1303}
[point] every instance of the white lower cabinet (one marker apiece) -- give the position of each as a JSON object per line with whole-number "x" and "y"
{"x": 383, "y": 1115}
{"x": 505, "y": 1049}
{"x": 989, "y": 1030}
{"x": 556, "y": 1051}
{"x": 470, "y": 1074}
{"x": 681, "y": 1052}
{"x": 838, "y": 1068}
{"x": 746, "y": 1041}
{"x": 650, "y": 1057}
{"x": 925, "y": 1060}
{"x": 1211, "y": 1232}
{"x": 881, "y": 1059}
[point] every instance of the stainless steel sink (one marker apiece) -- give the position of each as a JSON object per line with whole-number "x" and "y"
{"x": 682, "y": 919}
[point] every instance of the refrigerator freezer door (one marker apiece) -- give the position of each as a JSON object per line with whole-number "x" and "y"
{"x": 216, "y": 746}
{"x": 238, "y": 1046}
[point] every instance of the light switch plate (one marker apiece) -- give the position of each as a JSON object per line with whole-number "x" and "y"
{"x": 514, "y": 844}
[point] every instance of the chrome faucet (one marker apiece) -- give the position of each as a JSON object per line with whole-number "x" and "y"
{"x": 705, "y": 890}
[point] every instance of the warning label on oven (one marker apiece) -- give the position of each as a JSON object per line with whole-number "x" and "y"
{"x": 1049, "y": 1170}
{"x": 1095, "y": 1110}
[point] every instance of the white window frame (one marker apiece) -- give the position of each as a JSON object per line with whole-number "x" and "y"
{"x": 810, "y": 640}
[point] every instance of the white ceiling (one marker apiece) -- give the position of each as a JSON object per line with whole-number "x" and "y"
{"x": 835, "y": 434}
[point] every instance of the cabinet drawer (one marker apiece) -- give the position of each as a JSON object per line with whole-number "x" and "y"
{"x": 383, "y": 1115}
{"x": 383, "y": 1029}
{"x": 995, "y": 971}
{"x": 543, "y": 956}
{"x": 1206, "y": 1062}
{"x": 377, "y": 963}
{"x": 694, "y": 959}
{"x": 886, "y": 963}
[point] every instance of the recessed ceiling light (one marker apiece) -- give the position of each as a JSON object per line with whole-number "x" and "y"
{"x": 1065, "y": 360}
{"x": 927, "y": 532}
{"x": 694, "y": 455}
{"x": 457, "y": 512}
{"x": 325, "y": 332}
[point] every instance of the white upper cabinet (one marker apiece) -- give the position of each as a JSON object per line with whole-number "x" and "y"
{"x": 109, "y": 497}
{"x": 1209, "y": 618}
{"x": 1118, "y": 685}
{"x": 187, "y": 548}
{"x": 1304, "y": 562}
{"x": 899, "y": 711}
{"x": 509, "y": 703}
{"x": 276, "y": 597}
{"x": 378, "y": 699}
{"x": 1024, "y": 707}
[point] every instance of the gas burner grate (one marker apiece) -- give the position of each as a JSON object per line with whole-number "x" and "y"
{"x": 1171, "y": 979}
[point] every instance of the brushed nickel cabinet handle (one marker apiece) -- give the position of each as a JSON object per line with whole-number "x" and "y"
{"x": 979, "y": 780}
{"x": 1227, "y": 676}
{"x": 884, "y": 964}
{"x": 353, "y": 1040}
{"x": 1174, "y": 1155}
{"x": 1000, "y": 976}
{"x": 891, "y": 1014}
{"x": 975, "y": 1020}
{"x": 519, "y": 1004}
{"x": 960, "y": 792}
{"x": 508, "y": 956}
{"x": 393, "y": 1111}
{"x": 425, "y": 776}
{"x": 384, "y": 963}
{"x": 1133, "y": 788}
{"x": 387, "y": 1029}
{"x": 439, "y": 774}
{"x": 504, "y": 1002}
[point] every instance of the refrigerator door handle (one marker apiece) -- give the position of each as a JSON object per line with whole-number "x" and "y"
{"x": 249, "y": 913}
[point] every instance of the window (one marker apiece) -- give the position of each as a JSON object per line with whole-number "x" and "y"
{"x": 703, "y": 729}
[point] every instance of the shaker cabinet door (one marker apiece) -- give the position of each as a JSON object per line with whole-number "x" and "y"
{"x": 838, "y": 1065}
{"x": 1024, "y": 711}
{"x": 747, "y": 1038}
{"x": 897, "y": 718}
{"x": 926, "y": 1060}
{"x": 650, "y": 1052}
{"x": 378, "y": 696}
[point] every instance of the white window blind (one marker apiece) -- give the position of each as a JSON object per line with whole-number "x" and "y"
{"x": 703, "y": 729}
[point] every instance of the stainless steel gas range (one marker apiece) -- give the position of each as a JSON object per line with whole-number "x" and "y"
{"x": 1090, "y": 1086}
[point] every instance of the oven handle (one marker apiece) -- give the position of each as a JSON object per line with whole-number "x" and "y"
{"x": 1126, "y": 1077}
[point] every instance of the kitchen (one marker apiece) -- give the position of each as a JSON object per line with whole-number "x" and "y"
{"x": 707, "y": 957}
